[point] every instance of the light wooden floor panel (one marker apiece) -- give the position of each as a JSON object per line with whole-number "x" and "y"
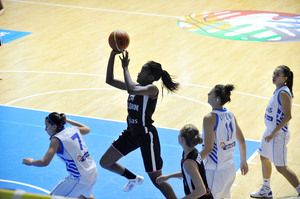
{"x": 61, "y": 66}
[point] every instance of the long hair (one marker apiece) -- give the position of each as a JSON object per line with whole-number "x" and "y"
{"x": 57, "y": 118}
{"x": 290, "y": 77}
{"x": 157, "y": 71}
{"x": 223, "y": 92}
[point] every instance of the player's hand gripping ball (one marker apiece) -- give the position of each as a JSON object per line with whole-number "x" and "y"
{"x": 118, "y": 40}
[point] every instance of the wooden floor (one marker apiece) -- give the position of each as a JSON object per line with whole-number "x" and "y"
{"x": 61, "y": 66}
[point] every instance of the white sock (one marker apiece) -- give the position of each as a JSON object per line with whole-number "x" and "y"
{"x": 298, "y": 189}
{"x": 267, "y": 182}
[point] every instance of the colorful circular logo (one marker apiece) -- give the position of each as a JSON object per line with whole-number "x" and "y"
{"x": 244, "y": 25}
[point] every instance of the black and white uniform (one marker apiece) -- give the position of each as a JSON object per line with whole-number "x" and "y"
{"x": 187, "y": 180}
{"x": 140, "y": 132}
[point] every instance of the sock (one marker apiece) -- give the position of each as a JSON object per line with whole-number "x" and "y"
{"x": 127, "y": 174}
{"x": 298, "y": 189}
{"x": 267, "y": 182}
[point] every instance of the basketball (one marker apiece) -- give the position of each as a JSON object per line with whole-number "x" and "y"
{"x": 118, "y": 40}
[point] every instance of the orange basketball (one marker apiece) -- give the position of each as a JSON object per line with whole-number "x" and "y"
{"x": 118, "y": 40}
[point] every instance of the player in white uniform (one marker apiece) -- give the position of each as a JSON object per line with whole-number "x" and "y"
{"x": 220, "y": 131}
{"x": 70, "y": 146}
{"x": 273, "y": 145}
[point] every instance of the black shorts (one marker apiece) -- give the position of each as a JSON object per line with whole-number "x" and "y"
{"x": 147, "y": 140}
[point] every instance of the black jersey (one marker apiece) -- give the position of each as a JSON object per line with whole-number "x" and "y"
{"x": 140, "y": 109}
{"x": 187, "y": 180}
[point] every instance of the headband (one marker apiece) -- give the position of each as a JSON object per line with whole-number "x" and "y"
{"x": 50, "y": 120}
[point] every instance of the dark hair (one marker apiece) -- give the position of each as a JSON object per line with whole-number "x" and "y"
{"x": 191, "y": 135}
{"x": 57, "y": 118}
{"x": 290, "y": 77}
{"x": 223, "y": 92}
{"x": 157, "y": 71}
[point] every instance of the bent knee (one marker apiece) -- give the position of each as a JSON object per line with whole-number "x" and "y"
{"x": 103, "y": 163}
{"x": 281, "y": 169}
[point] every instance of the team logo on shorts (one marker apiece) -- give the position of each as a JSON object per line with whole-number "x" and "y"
{"x": 244, "y": 25}
{"x": 222, "y": 144}
{"x": 79, "y": 158}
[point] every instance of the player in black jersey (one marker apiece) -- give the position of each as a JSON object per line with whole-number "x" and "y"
{"x": 140, "y": 132}
{"x": 192, "y": 167}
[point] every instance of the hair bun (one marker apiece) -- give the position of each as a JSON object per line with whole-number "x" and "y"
{"x": 229, "y": 88}
{"x": 63, "y": 118}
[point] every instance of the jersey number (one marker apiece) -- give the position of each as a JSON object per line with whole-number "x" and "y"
{"x": 76, "y": 136}
{"x": 229, "y": 130}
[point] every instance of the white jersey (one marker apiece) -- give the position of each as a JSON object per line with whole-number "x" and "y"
{"x": 74, "y": 152}
{"x": 274, "y": 114}
{"x": 224, "y": 141}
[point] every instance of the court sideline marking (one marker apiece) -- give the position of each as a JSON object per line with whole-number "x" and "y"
{"x": 97, "y": 9}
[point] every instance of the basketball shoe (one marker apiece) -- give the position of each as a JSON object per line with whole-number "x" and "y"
{"x": 131, "y": 184}
{"x": 264, "y": 192}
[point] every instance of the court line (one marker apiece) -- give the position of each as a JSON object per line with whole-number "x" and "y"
{"x": 187, "y": 84}
{"x": 97, "y": 9}
{"x": 51, "y": 72}
{"x": 25, "y": 184}
{"x": 126, "y": 12}
{"x": 242, "y": 93}
{"x": 98, "y": 118}
{"x": 83, "y": 116}
{"x": 58, "y": 91}
{"x": 169, "y": 145}
{"x": 88, "y": 89}
{"x": 20, "y": 123}
{"x": 249, "y": 161}
{"x": 191, "y": 99}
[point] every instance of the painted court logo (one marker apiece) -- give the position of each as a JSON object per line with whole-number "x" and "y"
{"x": 244, "y": 25}
{"x": 11, "y": 35}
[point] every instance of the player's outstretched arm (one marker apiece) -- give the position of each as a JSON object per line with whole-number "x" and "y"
{"x": 54, "y": 144}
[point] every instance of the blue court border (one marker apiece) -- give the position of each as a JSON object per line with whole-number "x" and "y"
{"x": 23, "y": 135}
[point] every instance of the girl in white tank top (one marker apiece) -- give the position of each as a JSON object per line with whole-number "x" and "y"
{"x": 273, "y": 145}
{"x": 220, "y": 131}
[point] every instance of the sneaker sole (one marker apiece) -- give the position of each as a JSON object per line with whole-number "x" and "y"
{"x": 260, "y": 197}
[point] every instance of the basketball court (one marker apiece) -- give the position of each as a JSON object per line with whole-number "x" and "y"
{"x": 54, "y": 57}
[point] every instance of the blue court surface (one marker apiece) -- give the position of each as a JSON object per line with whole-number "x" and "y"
{"x": 23, "y": 135}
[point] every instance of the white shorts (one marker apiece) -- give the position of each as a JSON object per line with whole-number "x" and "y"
{"x": 220, "y": 181}
{"x": 75, "y": 187}
{"x": 276, "y": 149}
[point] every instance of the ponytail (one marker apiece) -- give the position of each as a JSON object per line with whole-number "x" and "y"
{"x": 158, "y": 72}
{"x": 168, "y": 81}
{"x": 290, "y": 77}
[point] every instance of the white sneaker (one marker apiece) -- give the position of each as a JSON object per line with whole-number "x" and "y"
{"x": 131, "y": 184}
{"x": 264, "y": 192}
